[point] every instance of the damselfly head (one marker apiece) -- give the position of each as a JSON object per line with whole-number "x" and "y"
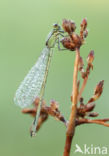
{"x": 57, "y": 27}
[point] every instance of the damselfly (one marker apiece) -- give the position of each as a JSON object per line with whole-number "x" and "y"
{"x": 33, "y": 84}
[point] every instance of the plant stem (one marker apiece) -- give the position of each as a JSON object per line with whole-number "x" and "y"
{"x": 82, "y": 87}
{"x": 71, "y": 125}
{"x": 97, "y": 121}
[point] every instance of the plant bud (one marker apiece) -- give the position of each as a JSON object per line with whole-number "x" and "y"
{"x": 99, "y": 88}
{"x": 68, "y": 26}
{"x": 85, "y": 33}
{"x": 90, "y": 107}
{"x": 81, "y": 63}
{"x": 90, "y": 57}
{"x": 73, "y": 26}
{"x": 68, "y": 44}
{"x": 84, "y": 24}
{"x": 54, "y": 105}
{"x": 93, "y": 114}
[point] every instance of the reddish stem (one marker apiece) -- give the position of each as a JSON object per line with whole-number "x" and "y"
{"x": 71, "y": 125}
{"x": 82, "y": 87}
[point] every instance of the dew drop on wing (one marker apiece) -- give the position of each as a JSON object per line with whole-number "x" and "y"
{"x": 30, "y": 87}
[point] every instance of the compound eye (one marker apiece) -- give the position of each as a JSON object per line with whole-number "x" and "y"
{"x": 55, "y": 25}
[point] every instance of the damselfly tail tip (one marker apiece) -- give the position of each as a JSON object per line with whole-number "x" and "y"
{"x": 32, "y": 133}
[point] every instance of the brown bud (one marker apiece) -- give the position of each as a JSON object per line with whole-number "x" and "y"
{"x": 93, "y": 114}
{"x": 84, "y": 24}
{"x": 36, "y": 102}
{"x": 99, "y": 88}
{"x": 81, "y": 69}
{"x": 32, "y": 112}
{"x": 81, "y": 63}
{"x": 91, "y": 100}
{"x": 85, "y": 33}
{"x": 68, "y": 26}
{"x": 90, "y": 57}
{"x": 90, "y": 107}
{"x": 81, "y": 100}
{"x": 73, "y": 26}
{"x": 68, "y": 44}
{"x": 97, "y": 92}
{"x": 76, "y": 40}
{"x": 54, "y": 105}
{"x": 81, "y": 103}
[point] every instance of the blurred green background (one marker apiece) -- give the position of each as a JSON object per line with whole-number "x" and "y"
{"x": 24, "y": 25}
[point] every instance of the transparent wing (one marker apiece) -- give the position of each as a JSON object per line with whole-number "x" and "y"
{"x": 30, "y": 88}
